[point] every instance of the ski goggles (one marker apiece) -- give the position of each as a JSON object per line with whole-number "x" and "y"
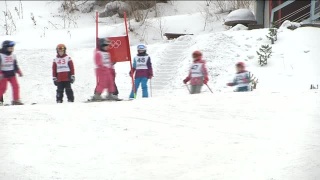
{"x": 61, "y": 48}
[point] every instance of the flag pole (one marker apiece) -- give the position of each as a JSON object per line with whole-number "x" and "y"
{"x": 131, "y": 68}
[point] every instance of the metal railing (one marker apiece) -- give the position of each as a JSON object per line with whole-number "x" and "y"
{"x": 302, "y": 17}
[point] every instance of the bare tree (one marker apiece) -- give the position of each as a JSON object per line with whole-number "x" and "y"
{"x": 9, "y": 24}
{"x": 137, "y": 7}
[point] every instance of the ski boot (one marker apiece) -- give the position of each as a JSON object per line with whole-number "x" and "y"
{"x": 17, "y": 102}
{"x": 112, "y": 97}
{"x": 59, "y": 101}
{"x": 69, "y": 100}
{"x": 96, "y": 97}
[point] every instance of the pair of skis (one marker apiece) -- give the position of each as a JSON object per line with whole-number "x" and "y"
{"x": 107, "y": 100}
{"x": 18, "y": 105}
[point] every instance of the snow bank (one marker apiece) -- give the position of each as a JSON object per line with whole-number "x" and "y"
{"x": 287, "y": 24}
{"x": 238, "y": 27}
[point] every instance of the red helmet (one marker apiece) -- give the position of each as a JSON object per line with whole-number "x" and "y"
{"x": 196, "y": 54}
{"x": 240, "y": 64}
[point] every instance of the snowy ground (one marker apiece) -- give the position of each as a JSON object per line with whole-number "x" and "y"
{"x": 269, "y": 134}
{"x": 254, "y": 136}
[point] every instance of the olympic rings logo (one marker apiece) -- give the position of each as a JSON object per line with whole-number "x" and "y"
{"x": 115, "y": 44}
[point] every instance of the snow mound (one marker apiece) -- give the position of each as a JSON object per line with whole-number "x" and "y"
{"x": 240, "y": 15}
{"x": 286, "y": 24}
{"x": 238, "y": 27}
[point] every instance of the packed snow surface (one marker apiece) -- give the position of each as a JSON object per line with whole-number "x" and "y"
{"x": 271, "y": 133}
{"x": 220, "y": 136}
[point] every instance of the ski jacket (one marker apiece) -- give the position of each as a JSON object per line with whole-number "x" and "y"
{"x": 8, "y": 64}
{"x": 241, "y": 80}
{"x": 198, "y": 73}
{"x": 142, "y": 66}
{"x": 62, "y": 68}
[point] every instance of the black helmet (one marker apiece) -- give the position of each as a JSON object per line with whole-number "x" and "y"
{"x": 103, "y": 42}
{"x": 7, "y": 43}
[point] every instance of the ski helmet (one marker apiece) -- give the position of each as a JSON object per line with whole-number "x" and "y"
{"x": 104, "y": 42}
{"x": 7, "y": 43}
{"x": 61, "y": 47}
{"x": 240, "y": 64}
{"x": 142, "y": 47}
{"x": 196, "y": 54}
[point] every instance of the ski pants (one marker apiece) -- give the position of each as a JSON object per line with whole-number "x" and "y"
{"x": 64, "y": 85}
{"x": 105, "y": 80}
{"x": 195, "y": 89}
{"x": 144, "y": 86}
{"x": 1, "y": 98}
{"x": 14, "y": 84}
{"x": 116, "y": 92}
{"x": 243, "y": 89}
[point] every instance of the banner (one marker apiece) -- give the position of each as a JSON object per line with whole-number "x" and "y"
{"x": 119, "y": 49}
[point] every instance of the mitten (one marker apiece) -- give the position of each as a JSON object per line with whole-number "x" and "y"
{"x": 205, "y": 81}
{"x": 55, "y": 81}
{"x": 72, "y": 79}
{"x": 20, "y": 73}
{"x": 131, "y": 73}
{"x": 185, "y": 81}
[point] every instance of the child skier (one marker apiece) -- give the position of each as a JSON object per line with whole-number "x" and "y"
{"x": 142, "y": 67}
{"x": 198, "y": 73}
{"x": 104, "y": 71}
{"x": 8, "y": 69}
{"x": 116, "y": 91}
{"x": 63, "y": 74}
{"x": 242, "y": 78}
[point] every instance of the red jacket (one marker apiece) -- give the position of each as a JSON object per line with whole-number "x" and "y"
{"x": 64, "y": 62}
{"x": 198, "y": 79}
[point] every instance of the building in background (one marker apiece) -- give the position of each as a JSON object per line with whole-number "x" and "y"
{"x": 277, "y": 11}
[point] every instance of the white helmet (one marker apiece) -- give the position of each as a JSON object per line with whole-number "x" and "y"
{"x": 142, "y": 47}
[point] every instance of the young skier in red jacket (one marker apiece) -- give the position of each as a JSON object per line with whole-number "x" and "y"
{"x": 63, "y": 74}
{"x": 198, "y": 73}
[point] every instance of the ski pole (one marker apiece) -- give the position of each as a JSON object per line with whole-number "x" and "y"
{"x": 209, "y": 88}
{"x": 150, "y": 88}
{"x": 188, "y": 88}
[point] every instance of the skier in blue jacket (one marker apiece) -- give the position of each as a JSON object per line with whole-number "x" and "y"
{"x": 241, "y": 79}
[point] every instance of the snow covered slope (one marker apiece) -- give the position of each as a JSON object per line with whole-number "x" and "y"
{"x": 255, "y": 136}
{"x": 270, "y": 133}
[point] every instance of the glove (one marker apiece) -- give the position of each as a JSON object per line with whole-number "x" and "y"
{"x": 20, "y": 73}
{"x": 130, "y": 74}
{"x": 73, "y": 79}
{"x": 185, "y": 81}
{"x": 205, "y": 81}
{"x": 55, "y": 81}
{"x": 150, "y": 76}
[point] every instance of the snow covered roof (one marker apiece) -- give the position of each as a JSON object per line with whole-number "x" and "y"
{"x": 240, "y": 16}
